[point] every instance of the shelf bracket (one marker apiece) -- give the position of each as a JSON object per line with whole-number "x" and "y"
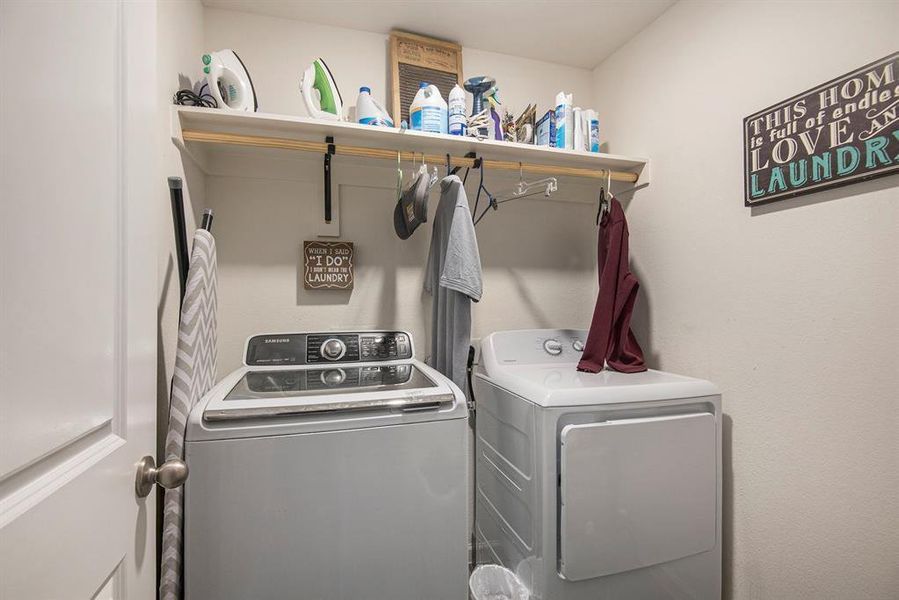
{"x": 467, "y": 155}
{"x": 330, "y": 141}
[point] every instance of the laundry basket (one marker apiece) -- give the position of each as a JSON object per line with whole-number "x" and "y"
{"x": 493, "y": 582}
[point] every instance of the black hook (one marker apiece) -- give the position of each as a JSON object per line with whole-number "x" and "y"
{"x": 471, "y": 155}
{"x": 330, "y": 152}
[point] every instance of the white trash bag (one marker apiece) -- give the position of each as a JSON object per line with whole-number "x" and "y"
{"x": 493, "y": 582}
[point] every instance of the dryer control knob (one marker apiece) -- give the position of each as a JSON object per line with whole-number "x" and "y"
{"x": 578, "y": 345}
{"x": 553, "y": 347}
{"x": 333, "y": 349}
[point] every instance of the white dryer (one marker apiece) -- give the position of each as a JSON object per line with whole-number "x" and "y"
{"x": 331, "y": 466}
{"x": 595, "y": 486}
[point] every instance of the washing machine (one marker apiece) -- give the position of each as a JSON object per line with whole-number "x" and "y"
{"x": 330, "y": 466}
{"x": 595, "y": 486}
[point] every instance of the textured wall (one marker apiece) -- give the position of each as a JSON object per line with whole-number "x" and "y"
{"x": 789, "y": 308}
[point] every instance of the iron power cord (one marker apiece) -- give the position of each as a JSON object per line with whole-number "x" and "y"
{"x": 190, "y": 98}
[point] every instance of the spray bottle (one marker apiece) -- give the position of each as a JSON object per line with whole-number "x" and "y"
{"x": 458, "y": 123}
{"x": 564, "y": 125}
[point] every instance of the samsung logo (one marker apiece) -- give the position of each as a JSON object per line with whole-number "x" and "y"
{"x": 275, "y": 340}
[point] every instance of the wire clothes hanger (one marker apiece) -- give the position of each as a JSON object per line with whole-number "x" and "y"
{"x": 605, "y": 198}
{"x": 422, "y": 171}
{"x": 399, "y": 177}
{"x": 491, "y": 200}
{"x": 434, "y": 176}
{"x": 544, "y": 187}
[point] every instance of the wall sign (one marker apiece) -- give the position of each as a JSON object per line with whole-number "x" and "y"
{"x": 328, "y": 265}
{"x": 841, "y": 132}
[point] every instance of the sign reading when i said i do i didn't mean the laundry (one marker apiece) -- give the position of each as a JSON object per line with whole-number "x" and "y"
{"x": 843, "y": 131}
{"x": 328, "y": 265}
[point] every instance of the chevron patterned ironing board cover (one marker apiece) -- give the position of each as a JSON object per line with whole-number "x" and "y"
{"x": 194, "y": 376}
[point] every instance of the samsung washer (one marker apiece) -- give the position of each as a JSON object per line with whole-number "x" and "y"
{"x": 330, "y": 466}
{"x": 595, "y": 486}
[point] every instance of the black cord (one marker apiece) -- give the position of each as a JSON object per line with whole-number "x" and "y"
{"x": 189, "y": 98}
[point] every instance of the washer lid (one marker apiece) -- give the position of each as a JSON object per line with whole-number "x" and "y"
{"x": 285, "y": 392}
{"x": 289, "y": 383}
{"x": 541, "y": 366}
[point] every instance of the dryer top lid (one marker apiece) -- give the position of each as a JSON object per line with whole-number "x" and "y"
{"x": 541, "y": 366}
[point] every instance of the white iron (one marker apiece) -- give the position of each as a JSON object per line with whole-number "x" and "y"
{"x": 229, "y": 81}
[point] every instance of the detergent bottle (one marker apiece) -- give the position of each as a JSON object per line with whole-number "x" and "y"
{"x": 564, "y": 124}
{"x": 428, "y": 111}
{"x": 457, "y": 120}
{"x": 369, "y": 112}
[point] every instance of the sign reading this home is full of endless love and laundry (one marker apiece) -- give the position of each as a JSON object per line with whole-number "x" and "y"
{"x": 843, "y": 131}
{"x": 328, "y": 265}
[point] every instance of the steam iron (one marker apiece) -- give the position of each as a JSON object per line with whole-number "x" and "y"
{"x": 229, "y": 81}
{"x": 320, "y": 92}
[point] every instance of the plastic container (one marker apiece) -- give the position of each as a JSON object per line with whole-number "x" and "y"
{"x": 369, "y": 112}
{"x": 428, "y": 111}
{"x": 493, "y": 582}
{"x": 581, "y": 131}
{"x": 593, "y": 130}
{"x": 564, "y": 124}
{"x": 457, "y": 121}
{"x": 546, "y": 130}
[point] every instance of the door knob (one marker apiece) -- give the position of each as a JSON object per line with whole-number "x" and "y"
{"x": 170, "y": 474}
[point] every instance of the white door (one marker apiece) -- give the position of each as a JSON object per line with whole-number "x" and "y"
{"x": 77, "y": 284}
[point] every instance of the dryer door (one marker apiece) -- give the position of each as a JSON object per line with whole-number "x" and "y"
{"x": 636, "y": 492}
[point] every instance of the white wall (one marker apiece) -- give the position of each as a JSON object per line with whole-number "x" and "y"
{"x": 538, "y": 256}
{"x": 789, "y": 308}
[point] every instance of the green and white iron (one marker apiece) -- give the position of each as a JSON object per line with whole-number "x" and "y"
{"x": 320, "y": 92}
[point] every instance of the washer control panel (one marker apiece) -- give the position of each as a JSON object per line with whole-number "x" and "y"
{"x": 282, "y": 349}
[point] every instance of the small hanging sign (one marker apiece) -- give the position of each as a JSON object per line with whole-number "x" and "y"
{"x": 841, "y": 132}
{"x": 328, "y": 265}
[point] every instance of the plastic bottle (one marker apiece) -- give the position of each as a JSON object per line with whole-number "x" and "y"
{"x": 428, "y": 111}
{"x": 369, "y": 112}
{"x": 581, "y": 133}
{"x": 564, "y": 125}
{"x": 458, "y": 122}
{"x": 593, "y": 126}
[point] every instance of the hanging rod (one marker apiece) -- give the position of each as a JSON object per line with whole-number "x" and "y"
{"x": 236, "y": 139}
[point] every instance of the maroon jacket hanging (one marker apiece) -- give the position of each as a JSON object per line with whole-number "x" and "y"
{"x": 610, "y": 339}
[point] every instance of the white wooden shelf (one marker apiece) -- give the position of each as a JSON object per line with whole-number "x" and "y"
{"x": 202, "y": 132}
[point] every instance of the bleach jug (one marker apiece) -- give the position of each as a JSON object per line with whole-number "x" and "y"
{"x": 458, "y": 122}
{"x": 564, "y": 125}
{"x": 428, "y": 111}
{"x": 369, "y": 112}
